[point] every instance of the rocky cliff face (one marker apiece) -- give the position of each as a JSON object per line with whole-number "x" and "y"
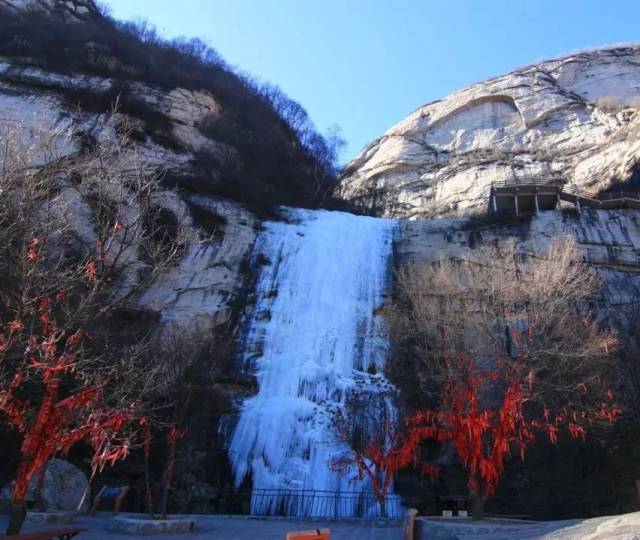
{"x": 609, "y": 241}
{"x": 62, "y": 110}
{"x": 202, "y": 287}
{"x": 74, "y": 9}
{"x": 178, "y": 130}
{"x": 50, "y": 101}
{"x": 573, "y": 120}
{"x": 212, "y": 129}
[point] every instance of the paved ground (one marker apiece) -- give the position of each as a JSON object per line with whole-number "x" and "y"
{"x": 234, "y": 528}
{"x": 623, "y": 527}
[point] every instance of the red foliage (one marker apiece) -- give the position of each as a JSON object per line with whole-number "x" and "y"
{"x": 483, "y": 436}
{"x": 91, "y": 271}
{"x": 380, "y": 459}
{"x": 57, "y": 423}
{"x": 174, "y": 434}
{"x": 33, "y": 254}
{"x": 54, "y": 422}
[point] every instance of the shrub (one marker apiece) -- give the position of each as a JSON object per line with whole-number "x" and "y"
{"x": 609, "y": 104}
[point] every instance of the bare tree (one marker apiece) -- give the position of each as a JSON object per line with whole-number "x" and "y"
{"x": 323, "y": 150}
{"x": 503, "y": 304}
{"x": 81, "y": 234}
{"x": 505, "y": 347}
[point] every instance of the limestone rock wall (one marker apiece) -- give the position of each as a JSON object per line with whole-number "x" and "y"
{"x": 609, "y": 240}
{"x": 74, "y": 9}
{"x": 201, "y": 289}
{"x": 574, "y": 119}
{"x": 46, "y": 101}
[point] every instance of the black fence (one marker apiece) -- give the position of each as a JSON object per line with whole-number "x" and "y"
{"x": 203, "y": 499}
{"x": 200, "y": 499}
{"x": 312, "y": 503}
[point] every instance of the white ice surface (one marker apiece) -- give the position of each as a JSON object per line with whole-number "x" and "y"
{"x": 313, "y": 338}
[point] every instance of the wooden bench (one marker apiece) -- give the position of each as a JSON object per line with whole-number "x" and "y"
{"x": 317, "y": 534}
{"x": 60, "y": 534}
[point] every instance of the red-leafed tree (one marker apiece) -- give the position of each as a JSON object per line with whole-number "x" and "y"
{"x": 81, "y": 236}
{"x": 501, "y": 348}
{"x": 58, "y": 418}
{"x": 377, "y": 460}
{"x": 485, "y": 430}
{"x": 485, "y": 416}
{"x": 186, "y": 373}
{"x": 173, "y": 435}
{"x": 376, "y": 454}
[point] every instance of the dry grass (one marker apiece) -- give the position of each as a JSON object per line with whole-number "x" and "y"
{"x": 612, "y": 104}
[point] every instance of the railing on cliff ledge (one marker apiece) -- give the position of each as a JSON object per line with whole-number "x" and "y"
{"x": 528, "y": 194}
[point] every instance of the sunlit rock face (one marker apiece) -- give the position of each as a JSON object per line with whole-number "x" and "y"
{"x": 33, "y": 98}
{"x": 609, "y": 241}
{"x": 75, "y": 9}
{"x": 574, "y": 119}
{"x": 201, "y": 290}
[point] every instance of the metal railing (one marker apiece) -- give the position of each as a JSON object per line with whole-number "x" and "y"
{"x": 333, "y": 504}
{"x": 527, "y": 181}
{"x": 616, "y": 195}
{"x": 274, "y": 502}
{"x": 600, "y": 196}
{"x": 566, "y": 189}
{"x": 577, "y": 192}
{"x": 315, "y": 503}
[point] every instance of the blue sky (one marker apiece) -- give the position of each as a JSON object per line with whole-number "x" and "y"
{"x": 366, "y": 64}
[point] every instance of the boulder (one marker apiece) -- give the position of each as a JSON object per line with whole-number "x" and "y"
{"x": 64, "y": 487}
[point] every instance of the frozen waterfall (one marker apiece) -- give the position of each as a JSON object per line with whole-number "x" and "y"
{"x": 314, "y": 339}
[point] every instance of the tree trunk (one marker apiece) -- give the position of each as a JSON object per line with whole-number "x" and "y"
{"x": 19, "y": 491}
{"x": 477, "y": 505}
{"x": 39, "y": 487}
{"x": 17, "y": 517}
{"x": 383, "y": 507}
{"x": 171, "y": 464}
{"x": 147, "y": 486}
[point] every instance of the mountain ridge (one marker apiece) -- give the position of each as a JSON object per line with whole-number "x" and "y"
{"x": 547, "y": 119}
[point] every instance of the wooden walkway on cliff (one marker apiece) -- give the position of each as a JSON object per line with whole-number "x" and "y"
{"x": 526, "y": 195}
